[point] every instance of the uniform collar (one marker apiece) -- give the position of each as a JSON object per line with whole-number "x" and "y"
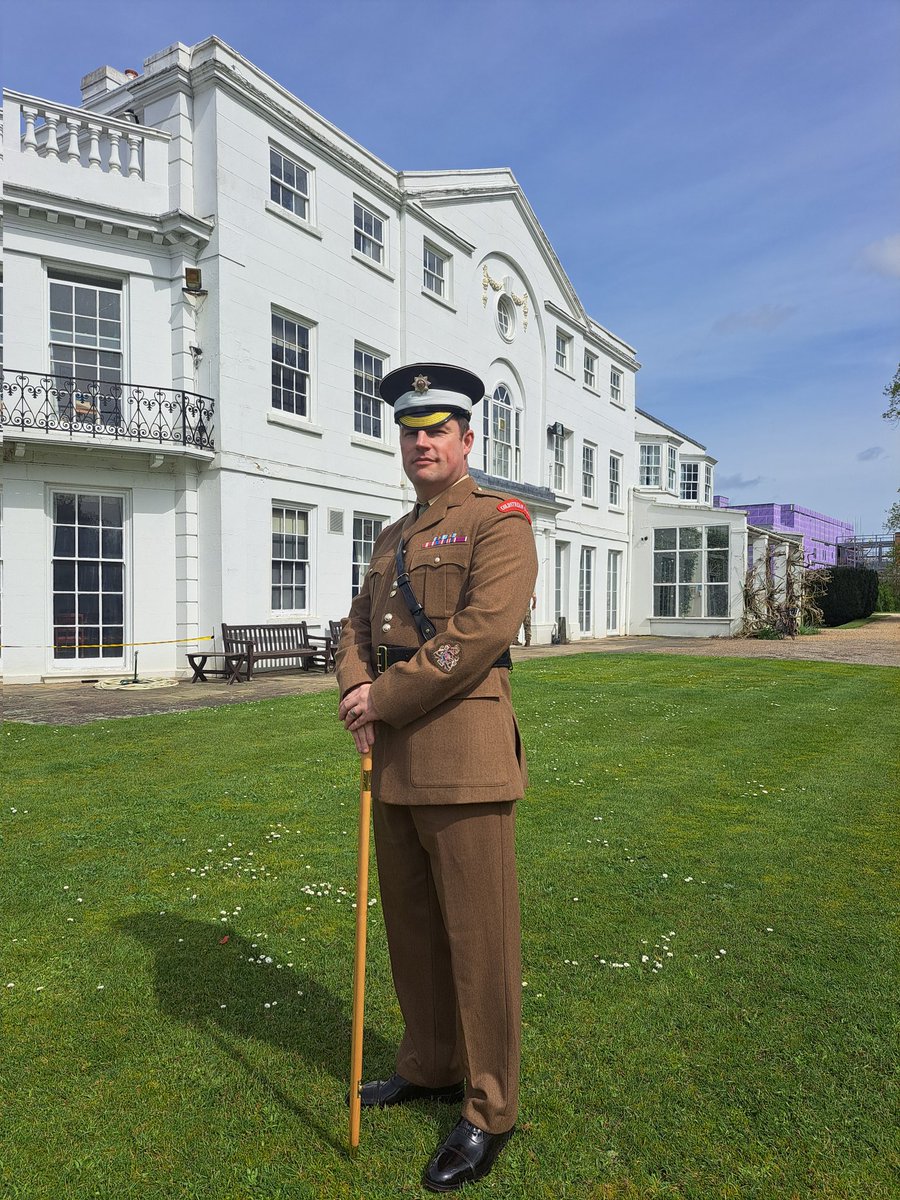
{"x": 437, "y": 509}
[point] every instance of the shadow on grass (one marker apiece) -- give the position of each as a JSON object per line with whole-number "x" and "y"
{"x": 196, "y": 973}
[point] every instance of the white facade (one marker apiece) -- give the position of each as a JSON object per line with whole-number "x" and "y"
{"x": 242, "y": 459}
{"x": 689, "y": 559}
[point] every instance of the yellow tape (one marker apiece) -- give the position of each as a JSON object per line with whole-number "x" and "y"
{"x": 203, "y": 637}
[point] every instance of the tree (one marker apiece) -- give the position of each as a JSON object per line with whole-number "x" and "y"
{"x": 892, "y": 391}
{"x": 892, "y": 520}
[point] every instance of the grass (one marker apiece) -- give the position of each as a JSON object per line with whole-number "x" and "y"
{"x": 722, "y": 826}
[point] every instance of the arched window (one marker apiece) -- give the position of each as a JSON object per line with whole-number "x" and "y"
{"x": 502, "y": 435}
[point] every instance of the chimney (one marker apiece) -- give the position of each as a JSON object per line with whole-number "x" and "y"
{"x": 101, "y": 81}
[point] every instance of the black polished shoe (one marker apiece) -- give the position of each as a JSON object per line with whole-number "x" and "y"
{"x": 465, "y": 1156}
{"x": 381, "y": 1093}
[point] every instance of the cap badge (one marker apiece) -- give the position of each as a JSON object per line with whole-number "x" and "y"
{"x": 421, "y": 384}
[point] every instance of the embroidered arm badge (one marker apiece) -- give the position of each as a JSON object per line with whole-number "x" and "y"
{"x": 446, "y": 656}
{"x": 514, "y": 506}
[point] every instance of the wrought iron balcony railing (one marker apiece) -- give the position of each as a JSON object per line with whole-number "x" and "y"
{"x": 87, "y": 410}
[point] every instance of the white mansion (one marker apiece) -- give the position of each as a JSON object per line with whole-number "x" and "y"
{"x": 205, "y": 282}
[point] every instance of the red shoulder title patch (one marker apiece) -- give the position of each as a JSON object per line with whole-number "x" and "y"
{"x": 514, "y": 506}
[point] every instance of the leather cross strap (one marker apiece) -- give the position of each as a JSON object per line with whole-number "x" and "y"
{"x": 426, "y": 630}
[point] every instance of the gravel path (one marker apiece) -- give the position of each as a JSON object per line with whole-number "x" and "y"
{"x": 874, "y": 644}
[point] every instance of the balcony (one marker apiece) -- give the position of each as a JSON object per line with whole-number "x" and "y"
{"x": 36, "y": 407}
{"x": 84, "y": 156}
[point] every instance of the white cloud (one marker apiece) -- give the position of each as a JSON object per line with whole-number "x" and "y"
{"x": 763, "y": 319}
{"x": 872, "y": 452}
{"x": 883, "y": 257}
{"x": 737, "y": 483}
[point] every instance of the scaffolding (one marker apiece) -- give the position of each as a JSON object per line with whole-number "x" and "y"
{"x": 877, "y": 551}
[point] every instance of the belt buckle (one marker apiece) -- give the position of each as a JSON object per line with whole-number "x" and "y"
{"x": 381, "y": 659}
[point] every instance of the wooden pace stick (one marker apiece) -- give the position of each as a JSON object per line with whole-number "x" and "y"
{"x": 359, "y": 962}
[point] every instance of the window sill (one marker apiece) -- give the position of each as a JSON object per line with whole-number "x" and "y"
{"x": 563, "y": 371}
{"x": 371, "y": 264}
{"x": 292, "y": 219}
{"x": 438, "y": 299}
{"x": 616, "y": 508}
{"x": 589, "y": 503}
{"x": 359, "y": 439}
{"x": 693, "y": 620}
{"x": 301, "y": 424}
{"x": 617, "y": 403}
{"x": 589, "y": 387}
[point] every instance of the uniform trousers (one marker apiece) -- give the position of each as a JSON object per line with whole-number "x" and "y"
{"x": 447, "y": 874}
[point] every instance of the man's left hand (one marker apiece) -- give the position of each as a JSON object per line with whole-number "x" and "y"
{"x": 357, "y": 711}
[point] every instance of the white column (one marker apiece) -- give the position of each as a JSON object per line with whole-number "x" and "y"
{"x": 73, "y": 152}
{"x": 29, "y": 141}
{"x": 94, "y": 151}
{"x": 52, "y": 119}
{"x": 134, "y": 155}
{"x": 115, "y": 163}
{"x": 187, "y": 561}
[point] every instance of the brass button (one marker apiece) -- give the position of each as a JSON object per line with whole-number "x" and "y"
{"x": 389, "y": 616}
{"x": 385, "y": 628}
{"x": 437, "y": 558}
{"x": 393, "y": 591}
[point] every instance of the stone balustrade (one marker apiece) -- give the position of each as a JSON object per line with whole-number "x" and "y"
{"x": 39, "y": 136}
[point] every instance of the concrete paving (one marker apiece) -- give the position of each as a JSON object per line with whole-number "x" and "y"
{"x": 76, "y": 703}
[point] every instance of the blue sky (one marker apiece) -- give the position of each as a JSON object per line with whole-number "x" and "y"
{"x": 719, "y": 179}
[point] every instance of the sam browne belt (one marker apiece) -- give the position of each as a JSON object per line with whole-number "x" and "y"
{"x": 386, "y": 656}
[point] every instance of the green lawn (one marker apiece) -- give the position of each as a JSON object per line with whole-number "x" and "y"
{"x": 177, "y": 922}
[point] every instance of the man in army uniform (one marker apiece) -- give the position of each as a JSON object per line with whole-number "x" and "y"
{"x": 423, "y": 669}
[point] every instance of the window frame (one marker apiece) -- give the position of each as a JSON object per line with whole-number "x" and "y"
{"x": 362, "y": 235}
{"x": 616, "y": 386}
{"x": 359, "y": 567}
{"x": 78, "y": 661}
{"x": 564, "y": 343}
{"x": 559, "y": 472}
{"x": 650, "y": 472}
{"x": 586, "y": 588}
{"x": 589, "y": 475}
{"x": 306, "y": 585}
{"x": 679, "y": 583}
{"x": 492, "y": 444}
{"x": 307, "y": 197}
{"x": 99, "y": 284}
{"x": 590, "y": 371}
{"x": 671, "y": 470}
{"x": 368, "y": 405}
{"x": 445, "y": 260}
{"x": 615, "y": 479}
{"x": 686, "y": 484}
{"x": 506, "y": 309}
{"x": 280, "y": 314}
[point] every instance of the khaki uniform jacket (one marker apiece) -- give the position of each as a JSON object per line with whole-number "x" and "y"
{"x": 447, "y": 734}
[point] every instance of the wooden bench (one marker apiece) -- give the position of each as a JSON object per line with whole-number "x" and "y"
{"x": 277, "y": 643}
{"x": 231, "y": 668}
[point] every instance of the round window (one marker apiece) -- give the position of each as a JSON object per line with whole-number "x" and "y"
{"x": 506, "y": 317}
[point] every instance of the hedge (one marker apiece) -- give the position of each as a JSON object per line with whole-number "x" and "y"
{"x": 852, "y": 593}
